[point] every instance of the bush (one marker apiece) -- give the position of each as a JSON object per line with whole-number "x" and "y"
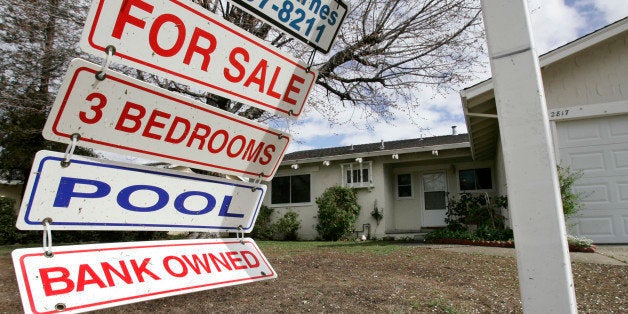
{"x": 338, "y": 210}
{"x": 8, "y": 233}
{"x": 475, "y": 209}
{"x": 491, "y": 234}
{"x": 572, "y": 202}
{"x": 288, "y": 226}
{"x": 449, "y": 234}
{"x": 264, "y": 229}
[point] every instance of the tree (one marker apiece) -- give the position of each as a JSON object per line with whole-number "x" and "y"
{"x": 385, "y": 50}
{"x": 38, "y": 38}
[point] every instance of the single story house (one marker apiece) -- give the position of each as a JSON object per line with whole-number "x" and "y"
{"x": 586, "y": 88}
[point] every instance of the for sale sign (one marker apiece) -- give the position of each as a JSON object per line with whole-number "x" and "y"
{"x": 314, "y": 22}
{"x": 93, "y": 194}
{"x": 127, "y": 116}
{"x": 180, "y": 40}
{"x": 88, "y": 277}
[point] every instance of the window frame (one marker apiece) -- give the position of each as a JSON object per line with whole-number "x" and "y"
{"x": 291, "y": 203}
{"x": 365, "y": 165}
{"x": 411, "y": 186}
{"x": 475, "y": 169}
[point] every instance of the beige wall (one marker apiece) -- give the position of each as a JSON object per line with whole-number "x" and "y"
{"x": 593, "y": 76}
{"x": 400, "y": 215}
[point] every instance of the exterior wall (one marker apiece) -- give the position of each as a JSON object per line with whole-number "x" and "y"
{"x": 594, "y": 76}
{"x": 322, "y": 177}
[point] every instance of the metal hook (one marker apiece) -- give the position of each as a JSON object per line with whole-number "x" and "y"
{"x": 47, "y": 237}
{"x": 69, "y": 151}
{"x": 240, "y": 232}
{"x": 100, "y": 75}
{"x": 310, "y": 61}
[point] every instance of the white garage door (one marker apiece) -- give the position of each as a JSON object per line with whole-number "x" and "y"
{"x": 598, "y": 147}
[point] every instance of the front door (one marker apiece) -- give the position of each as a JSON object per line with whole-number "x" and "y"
{"x": 434, "y": 186}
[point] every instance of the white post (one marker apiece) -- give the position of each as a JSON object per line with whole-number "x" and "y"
{"x": 543, "y": 262}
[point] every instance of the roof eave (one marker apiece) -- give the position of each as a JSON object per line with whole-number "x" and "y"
{"x": 377, "y": 153}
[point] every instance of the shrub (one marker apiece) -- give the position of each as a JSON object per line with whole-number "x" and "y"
{"x": 338, "y": 210}
{"x": 475, "y": 209}
{"x": 572, "y": 202}
{"x": 449, "y": 234}
{"x": 487, "y": 233}
{"x": 8, "y": 233}
{"x": 288, "y": 226}
{"x": 264, "y": 229}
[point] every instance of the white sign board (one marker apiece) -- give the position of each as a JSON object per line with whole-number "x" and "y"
{"x": 181, "y": 41}
{"x": 127, "y": 116}
{"x": 88, "y": 277}
{"x": 315, "y": 23}
{"x": 93, "y": 194}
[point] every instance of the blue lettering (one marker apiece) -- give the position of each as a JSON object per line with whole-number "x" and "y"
{"x": 125, "y": 195}
{"x": 224, "y": 209}
{"x": 180, "y": 200}
{"x": 66, "y": 190}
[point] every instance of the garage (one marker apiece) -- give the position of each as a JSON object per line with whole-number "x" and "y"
{"x": 599, "y": 148}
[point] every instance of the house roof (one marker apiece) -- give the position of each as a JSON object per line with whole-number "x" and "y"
{"x": 481, "y": 113}
{"x": 380, "y": 149}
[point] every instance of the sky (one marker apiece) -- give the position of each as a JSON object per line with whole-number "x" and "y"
{"x": 553, "y": 24}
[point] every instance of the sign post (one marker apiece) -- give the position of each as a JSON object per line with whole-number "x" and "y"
{"x": 534, "y": 201}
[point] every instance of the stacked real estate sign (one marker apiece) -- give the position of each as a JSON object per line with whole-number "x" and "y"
{"x": 101, "y": 109}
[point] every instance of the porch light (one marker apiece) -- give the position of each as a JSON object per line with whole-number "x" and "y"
{"x": 359, "y": 159}
{"x": 295, "y": 166}
{"x": 434, "y": 153}
{"x": 326, "y": 163}
{"x": 395, "y": 156}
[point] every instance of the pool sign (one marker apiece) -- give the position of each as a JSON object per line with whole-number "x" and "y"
{"x": 93, "y": 194}
{"x": 127, "y": 116}
{"x": 84, "y": 278}
{"x": 314, "y": 22}
{"x": 181, "y": 41}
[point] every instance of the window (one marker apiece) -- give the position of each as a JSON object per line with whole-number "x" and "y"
{"x": 357, "y": 175}
{"x": 475, "y": 179}
{"x": 290, "y": 189}
{"x": 404, "y": 185}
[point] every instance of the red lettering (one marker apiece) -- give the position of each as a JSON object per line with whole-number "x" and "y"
{"x": 142, "y": 269}
{"x": 194, "y": 47}
{"x": 81, "y": 281}
{"x": 127, "y": 116}
{"x": 268, "y": 154}
{"x": 236, "y": 64}
{"x": 248, "y": 261}
{"x": 212, "y": 140}
{"x": 222, "y": 262}
{"x": 252, "y": 154}
{"x": 152, "y": 122}
{"x": 235, "y": 260}
{"x": 124, "y": 16}
{"x": 186, "y": 128}
{"x": 47, "y": 281}
{"x": 184, "y": 270}
{"x": 271, "y": 89}
{"x": 201, "y": 132}
{"x": 292, "y": 88}
{"x": 124, "y": 275}
{"x": 230, "y": 152}
{"x": 259, "y": 69}
{"x": 197, "y": 263}
{"x": 154, "y": 30}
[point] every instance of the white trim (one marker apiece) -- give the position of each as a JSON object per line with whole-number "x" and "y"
{"x": 397, "y": 197}
{"x": 588, "y": 111}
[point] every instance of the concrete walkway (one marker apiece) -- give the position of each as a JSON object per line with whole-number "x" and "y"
{"x": 605, "y": 254}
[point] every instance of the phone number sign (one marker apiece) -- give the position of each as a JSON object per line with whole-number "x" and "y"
{"x": 314, "y": 22}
